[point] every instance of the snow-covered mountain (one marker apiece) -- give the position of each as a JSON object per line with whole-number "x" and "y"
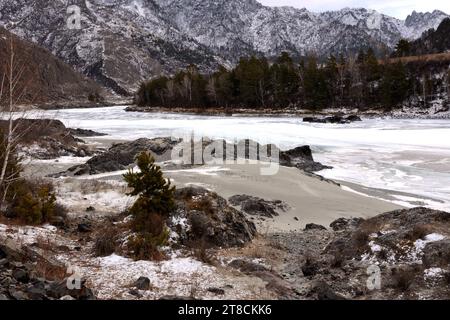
{"x": 232, "y": 27}
{"x": 122, "y": 42}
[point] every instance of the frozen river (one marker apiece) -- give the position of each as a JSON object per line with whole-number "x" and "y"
{"x": 411, "y": 156}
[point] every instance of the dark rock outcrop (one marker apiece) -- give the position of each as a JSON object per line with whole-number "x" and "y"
{"x": 301, "y": 158}
{"x": 325, "y": 292}
{"x": 86, "y": 133}
{"x": 20, "y": 278}
{"x": 210, "y": 220}
{"x": 58, "y": 290}
{"x": 47, "y": 139}
{"x": 143, "y": 283}
{"x": 344, "y": 224}
{"x": 336, "y": 119}
{"x": 257, "y": 206}
{"x": 121, "y": 156}
{"x": 313, "y": 226}
{"x": 437, "y": 254}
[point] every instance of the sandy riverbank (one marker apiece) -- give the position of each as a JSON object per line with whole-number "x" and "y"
{"x": 310, "y": 200}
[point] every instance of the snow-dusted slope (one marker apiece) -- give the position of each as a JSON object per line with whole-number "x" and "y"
{"x": 237, "y": 26}
{"x": 123, "y": 42}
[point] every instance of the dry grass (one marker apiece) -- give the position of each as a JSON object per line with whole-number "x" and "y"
{"x": 45, "y": 244}
{"x": 404, "y": 278}
{"x": 203, "y": 205}
{"x": 50, "y": 271}
{"x": 362, "y": 235}
{"x": 201, "y": 253}
{"x": 97, "y": 186}
{"x": 419, "y": 232}
{"x": 437, "y": 57}
{"x": 106, "y": 242}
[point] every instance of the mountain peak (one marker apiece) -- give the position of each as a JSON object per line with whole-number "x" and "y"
{"x": 123, "y": 42}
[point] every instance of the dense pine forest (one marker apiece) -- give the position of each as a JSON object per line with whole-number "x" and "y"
{"x": 364, "y": 81}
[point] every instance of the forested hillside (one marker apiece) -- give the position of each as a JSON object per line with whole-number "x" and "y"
{"x": 42, "y": 78}
{"x": 362, "y": 82}
{"x": 432, "y": 42}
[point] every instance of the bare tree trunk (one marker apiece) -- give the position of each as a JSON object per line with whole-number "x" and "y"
{"x": 9, "y": 134}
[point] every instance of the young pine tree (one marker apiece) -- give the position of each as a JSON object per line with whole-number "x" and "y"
{"x": 154, "y": 204}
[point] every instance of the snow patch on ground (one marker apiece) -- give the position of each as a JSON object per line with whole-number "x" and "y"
{"x": 113, "y": 277}
{"x": 213, "y": 171}
{"x": 111, "y": 198}
{"x": 415, "y": 254}
{"x": 433, "y": 274}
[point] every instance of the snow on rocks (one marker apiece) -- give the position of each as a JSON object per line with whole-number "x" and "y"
{"x": 112, "y": 277}
{"x": 416, "y": 252}
{"x": 107, "y": 197}
{"x": 433, "y": 274}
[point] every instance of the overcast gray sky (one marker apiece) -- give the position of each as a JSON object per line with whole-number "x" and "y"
{"x": 396, "y": 8}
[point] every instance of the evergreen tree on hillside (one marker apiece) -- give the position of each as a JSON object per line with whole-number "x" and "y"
{"x": 284, "y": 81}
{"x": 395, "y": 85}
{"x": 253, "y": 78}
{"x": 332, "y": 76}
{"x": 154, "y": 204}
{"x": 315, "y": 86}
{"x": 402, "y": 49}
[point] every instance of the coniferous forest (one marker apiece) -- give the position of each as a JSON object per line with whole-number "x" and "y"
{"x": 364, "y": 81}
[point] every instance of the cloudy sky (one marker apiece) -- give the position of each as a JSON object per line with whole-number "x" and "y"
{"x": 396, "y": 8}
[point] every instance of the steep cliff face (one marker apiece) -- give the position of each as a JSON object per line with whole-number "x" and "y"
{"x": 43, "y": 78}
{"x": 237, "y": 26}
{"x": 433, "y": 41}
{"x": 122, "y": 42}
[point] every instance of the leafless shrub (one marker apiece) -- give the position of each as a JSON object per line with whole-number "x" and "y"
{"x": 106, "y": 242}
{"x": 404, "y": 278}
{"x": 418, "y": 232}
{"x": 201, "y": 252}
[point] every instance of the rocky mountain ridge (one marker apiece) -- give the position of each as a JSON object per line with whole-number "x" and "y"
{"x": 123, "y": 42}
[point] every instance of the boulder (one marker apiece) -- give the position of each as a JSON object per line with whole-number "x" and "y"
{"x": 135, "y": 293}
{"x": 21, "y": 275}
{"x": 18, "y": 295}
{"x": 209, "y": 219}
{"x": 85, "y": 133}
{"x": 57, "y": 290}
{"x": 37, "y": 292}
{"x": 247, "y": 266}
{"x": 216, "y": 291}
{"x": 344, "y": 223}
{"x": 313, "y": 226}
{"x": 437, "y": 254}
{"x": 142, "y": 283}
{"x": 336, "y": 119}
{"x": 47, "y": 139}
{"x": 325, "y": 292}
{"x": 353, "y": 118}
{"x": 84, "y": 228}
{"x": 122, "y": 156}
{"x": 257, "y": 206}
{"x": 301, "y": 158}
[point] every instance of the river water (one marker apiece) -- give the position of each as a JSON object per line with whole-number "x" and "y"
{"x": 411, "y": 156}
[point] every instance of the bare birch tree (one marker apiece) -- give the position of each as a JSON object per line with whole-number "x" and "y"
{"x": 12, "y": 94}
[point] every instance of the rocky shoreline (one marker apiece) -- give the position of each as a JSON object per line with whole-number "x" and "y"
{"x": 404, "y": 112}
{"x": 221, "y": 245}
{"x": 407, "y": 249}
